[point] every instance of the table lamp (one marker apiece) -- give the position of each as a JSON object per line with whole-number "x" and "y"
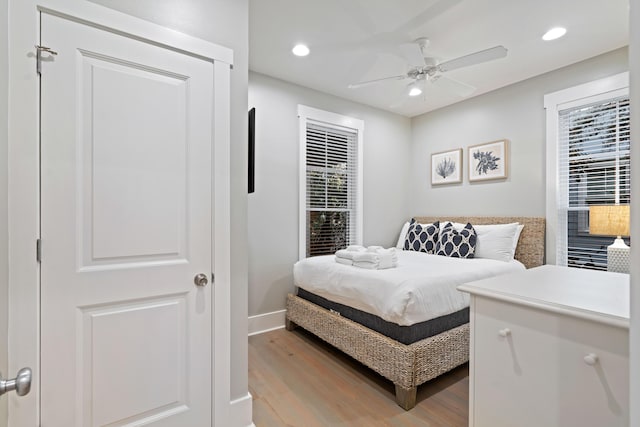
{"x": 612, "y": 220}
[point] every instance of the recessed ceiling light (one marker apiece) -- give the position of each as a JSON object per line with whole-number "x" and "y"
{"x": 554, "y": 33}
{"x": 300, "y": 50}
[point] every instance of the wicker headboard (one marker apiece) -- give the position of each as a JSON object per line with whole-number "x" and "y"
{"x": 530, "y": 250}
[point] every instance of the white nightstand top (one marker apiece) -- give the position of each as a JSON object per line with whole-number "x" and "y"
{"x": 596, "y": 295}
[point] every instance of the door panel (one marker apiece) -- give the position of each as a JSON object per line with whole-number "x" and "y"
{"x": 137, "y": 358}
{"x": 118, "y": 161}
{"x": 126, "y": 203}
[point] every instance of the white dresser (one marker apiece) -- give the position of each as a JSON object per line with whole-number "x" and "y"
{"x": 549, "y": 348}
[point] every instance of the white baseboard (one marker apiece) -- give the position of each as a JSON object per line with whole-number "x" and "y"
{"x": 241, "y": 412}
{"x": 262, "y": 323}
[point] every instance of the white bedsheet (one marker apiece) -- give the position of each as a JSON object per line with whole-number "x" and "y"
{"x": 421, "y": 288}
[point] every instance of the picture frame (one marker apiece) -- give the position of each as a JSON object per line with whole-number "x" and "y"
{"x": 446, "y": 167}
{"x": 488, "y": 161}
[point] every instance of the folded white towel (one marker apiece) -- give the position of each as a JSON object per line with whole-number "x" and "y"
{"x": 366, "y": 256}
{"x": 376, "y": 258}
{"x": 387, "y": 252}
{"x": 350, "y": 252}
{"x": 366, "y": 264}
{"x": 345, "y": 254}
{"x": 388, "y": 258}
{"x": 373, "y": 257}
{"x": 344, "y": 261}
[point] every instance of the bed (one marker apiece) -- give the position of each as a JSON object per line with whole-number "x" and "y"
{"x": 406, "y": 360}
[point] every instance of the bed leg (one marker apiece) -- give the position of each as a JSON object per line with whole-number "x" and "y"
{"x": 289, "y": 325}
{"x": 406, "y": 397}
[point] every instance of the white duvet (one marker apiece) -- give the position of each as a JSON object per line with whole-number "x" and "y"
{"x": 421, "y": 288}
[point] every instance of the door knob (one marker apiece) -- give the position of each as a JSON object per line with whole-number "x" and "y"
{"x": 21, "y": 383}
{"x": 591, "y": 359}
{"x": 504, "y": 332}
{"x": 201, "y": 279}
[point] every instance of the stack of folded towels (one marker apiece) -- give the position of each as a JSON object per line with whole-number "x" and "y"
{"x": 373, "y": 257}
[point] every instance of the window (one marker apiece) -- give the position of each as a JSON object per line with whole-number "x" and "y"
{"x": 330, "y": 181}
{"x": 588, "y": 157}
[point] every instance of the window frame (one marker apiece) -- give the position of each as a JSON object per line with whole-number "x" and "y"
{"x": 337, "y": 121}
{"x": 611, "y": 87}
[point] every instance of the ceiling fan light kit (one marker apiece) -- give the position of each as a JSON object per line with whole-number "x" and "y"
{"x": 414, "y": 90}
{"x": 423, "y": 68}
{"x": 554, "y": 33}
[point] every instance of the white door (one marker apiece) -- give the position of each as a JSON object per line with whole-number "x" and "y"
{"x": 126, "y": 225}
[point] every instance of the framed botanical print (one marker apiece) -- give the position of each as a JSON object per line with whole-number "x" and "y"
{"x": 488, "y": 161}
{"x": 446, "y": 167}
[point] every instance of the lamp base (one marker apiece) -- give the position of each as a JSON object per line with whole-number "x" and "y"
{"x": 618, "y": 257}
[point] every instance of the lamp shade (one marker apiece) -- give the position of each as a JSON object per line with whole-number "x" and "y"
{"x": 609, "y": 220}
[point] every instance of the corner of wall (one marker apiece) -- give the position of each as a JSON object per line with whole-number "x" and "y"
{"x": 241, "y": 411}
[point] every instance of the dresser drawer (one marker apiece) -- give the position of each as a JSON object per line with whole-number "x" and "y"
{"x": 538, "y": 368}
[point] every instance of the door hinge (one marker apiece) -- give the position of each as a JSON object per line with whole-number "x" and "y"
{"x": 213, "y": 278}
{"x": 39, "y": 50}
{"x": 39, "y": 250}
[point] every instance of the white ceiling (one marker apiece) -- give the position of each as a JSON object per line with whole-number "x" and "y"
{"x": 356, "y": 40}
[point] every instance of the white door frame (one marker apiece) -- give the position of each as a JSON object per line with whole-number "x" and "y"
{"x": 24, "y": 189}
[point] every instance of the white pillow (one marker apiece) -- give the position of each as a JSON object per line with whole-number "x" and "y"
{"x": 403, "y": 235}
{"x": 516, "y": 237}
{"x": 496, "y": 241}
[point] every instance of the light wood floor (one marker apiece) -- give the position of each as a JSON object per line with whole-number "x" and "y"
{"x": 298, "y": 380}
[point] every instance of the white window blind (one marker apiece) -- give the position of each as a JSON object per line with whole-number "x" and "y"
{"x": 593, "y": 169}
{"x": 331, "y": 177}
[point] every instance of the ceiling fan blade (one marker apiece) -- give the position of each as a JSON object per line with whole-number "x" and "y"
{"x": 398, "y": 102}
{"x": 401, "y": 98}
{"x": 412, "y": 53}
{"x": 360, "y": 68}
{"x": 454, "y": 86}
{"x": 432, "y": 12}
{"x": 474, "y": 58}
{"x": 405, "y": 98}
{"x": 358, "y": 12}
{"x": 389, "y": 40}
{"x": 371, "y": 82}
{"x": 377, "y": 43}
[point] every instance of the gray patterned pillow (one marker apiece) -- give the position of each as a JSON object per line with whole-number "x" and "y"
{"x": 457, "y": 244}
{"x": 422, "y": 237}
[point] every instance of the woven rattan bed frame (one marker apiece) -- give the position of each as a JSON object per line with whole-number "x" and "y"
{"x": 408, "y": 366}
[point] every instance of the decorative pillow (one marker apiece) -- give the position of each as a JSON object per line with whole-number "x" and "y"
{"x": 457, "y": 244}
{"x": 402, "y": 236}
{"x": 495, "y": 241}
{"x": 458, "y": 226}
{"x": 422, "y": 237}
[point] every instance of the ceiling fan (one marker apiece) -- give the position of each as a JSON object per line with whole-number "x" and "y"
{"x": 425, "y": 69}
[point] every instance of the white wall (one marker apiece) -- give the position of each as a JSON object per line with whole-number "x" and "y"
{"x": 4, "y": 274}
{"x": 225, "y": 22}
{"x": 516, "y": 113}
{"x": 273, "y": 208}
